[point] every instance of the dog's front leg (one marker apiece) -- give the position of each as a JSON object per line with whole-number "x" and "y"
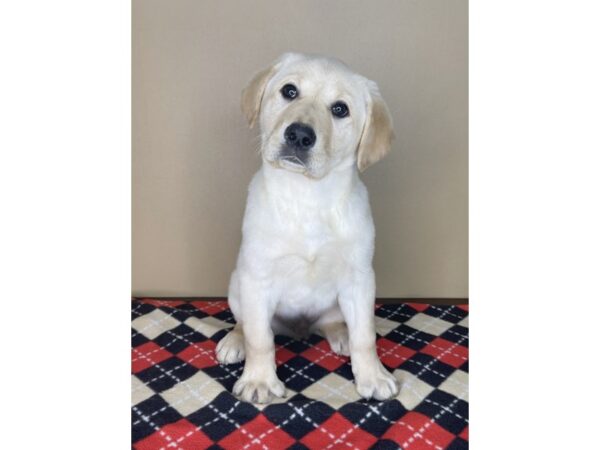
{"x": 259, "y": 382}
{"x": 357, "y": 299}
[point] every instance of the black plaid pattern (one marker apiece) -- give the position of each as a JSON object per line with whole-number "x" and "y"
{"x": 182, "y": 396}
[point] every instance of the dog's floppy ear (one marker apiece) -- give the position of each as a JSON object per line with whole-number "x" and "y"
{"x": 253, "y": 93}
{"x": 377, "y": 135}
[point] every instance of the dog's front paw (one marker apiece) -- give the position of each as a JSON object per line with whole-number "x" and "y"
{"x": 259, "y": 390}
{"x": 376, "y": 382}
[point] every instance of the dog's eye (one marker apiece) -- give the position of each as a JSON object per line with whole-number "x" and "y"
{"x": 339, "y": 109}
{"x": 289, "y": 91}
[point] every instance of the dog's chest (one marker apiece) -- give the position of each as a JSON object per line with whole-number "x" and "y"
{"x": 310, "y": 255}
{"x": 305, "y": 241}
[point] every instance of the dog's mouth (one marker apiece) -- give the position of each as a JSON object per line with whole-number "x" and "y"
{"x": 292, "y": 162}
{"x": 290, "y": 159}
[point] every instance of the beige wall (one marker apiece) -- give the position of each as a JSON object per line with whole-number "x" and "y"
{"x": 193, "y": 155}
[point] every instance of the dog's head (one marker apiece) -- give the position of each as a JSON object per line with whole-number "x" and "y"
{"x": 316, "y": 115}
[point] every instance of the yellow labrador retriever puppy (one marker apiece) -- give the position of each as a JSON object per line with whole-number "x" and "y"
{"x": 305, "y": 263}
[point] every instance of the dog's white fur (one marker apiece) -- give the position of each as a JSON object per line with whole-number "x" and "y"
{"x": 305, "y": 263}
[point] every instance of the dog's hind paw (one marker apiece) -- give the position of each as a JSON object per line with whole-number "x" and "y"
{"x": 230, "y": 349}
{"x": 336, "y": 334}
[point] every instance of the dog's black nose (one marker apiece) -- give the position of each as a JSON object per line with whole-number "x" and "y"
{"x": 300, "y": 136}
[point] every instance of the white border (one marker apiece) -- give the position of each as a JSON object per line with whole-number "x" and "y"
{"x": 65, "y": 186}
{"x": 534, "y": 224}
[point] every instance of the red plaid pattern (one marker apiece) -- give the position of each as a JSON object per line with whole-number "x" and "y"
{"x": 182, "y": 397}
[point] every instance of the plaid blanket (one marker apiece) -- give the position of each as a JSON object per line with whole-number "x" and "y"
{"x": 182, "y": 397}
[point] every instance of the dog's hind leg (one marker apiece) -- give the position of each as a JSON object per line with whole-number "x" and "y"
{"x": 333, "y": 327}
{"x": 230, "y": 348}
{"x": 337, "y": 335}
